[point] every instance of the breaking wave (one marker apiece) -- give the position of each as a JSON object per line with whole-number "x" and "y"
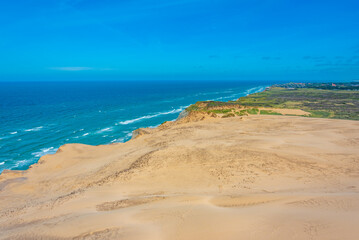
{"x": 178, "y": 110}
{"x": 34, "y": 129}
{"x": 44, "y": 151}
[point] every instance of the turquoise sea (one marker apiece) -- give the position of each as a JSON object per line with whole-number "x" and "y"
{"x": 36, "y": 118}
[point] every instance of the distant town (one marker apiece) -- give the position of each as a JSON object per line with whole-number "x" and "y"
{"x": 330, "y": 86}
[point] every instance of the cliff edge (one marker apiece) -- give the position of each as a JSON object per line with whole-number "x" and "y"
{"x": 202, "y": 177}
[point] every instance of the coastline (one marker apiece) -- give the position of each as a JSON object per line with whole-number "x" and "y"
{"x": 183, "y": 177}
{"x": 207, "y": 112}
{"x": 179, "y": 120}
{"x": 210, "y": 167}
{"x": 80, "y": 135}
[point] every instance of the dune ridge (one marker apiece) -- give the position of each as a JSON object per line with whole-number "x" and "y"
{"x": 201, "y": 177}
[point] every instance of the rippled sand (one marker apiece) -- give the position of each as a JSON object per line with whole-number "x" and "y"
{"x": 257, "y": 177}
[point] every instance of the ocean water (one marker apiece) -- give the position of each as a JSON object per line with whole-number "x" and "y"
{"x": 36, "y": 118}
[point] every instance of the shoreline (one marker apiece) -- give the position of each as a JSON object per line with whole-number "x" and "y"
{"x": 258, "y": 90}
{"x": 262, "y": 89}
{"x": 124, "y": 122}
{"x": 257, "y": 170}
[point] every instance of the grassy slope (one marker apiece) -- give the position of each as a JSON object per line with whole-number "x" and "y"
{"x": 340, "y": 104}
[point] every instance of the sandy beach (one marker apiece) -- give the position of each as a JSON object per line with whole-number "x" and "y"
{"x": 252, "y": 177}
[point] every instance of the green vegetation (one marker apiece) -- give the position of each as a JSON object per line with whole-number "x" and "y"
{"x": 193, "y": 107}
{"x": 253, "y": 111}
{"x": 323, "y": 86}
{"x": 343, "y": 104}
{"x": 269, "y": 112}
{"x": 221, "y": 111}
{"x": 228, "y": 115}
{"x": 320, "y": 100}
{"x": 320, "y": 114}
{"x": 215, "y": 104}
{"x": 241, "y": 113}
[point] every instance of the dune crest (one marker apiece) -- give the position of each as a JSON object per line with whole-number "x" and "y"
{"x": 248, "y": 177}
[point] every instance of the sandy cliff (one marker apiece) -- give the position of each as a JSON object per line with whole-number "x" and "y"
{"x": 254, "y": 177}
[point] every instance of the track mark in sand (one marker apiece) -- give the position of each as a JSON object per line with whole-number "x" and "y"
{"x": 109, "y": 206}
{"x": 4, "y": 183}
{"x": 312, "y": 229}
{"x": 113, "y": 233}
{"x": 344, "y": 203}
{"x": 241, "y": 201}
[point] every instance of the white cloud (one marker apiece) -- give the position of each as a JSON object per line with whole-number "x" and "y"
{"x": 72, "y": 68}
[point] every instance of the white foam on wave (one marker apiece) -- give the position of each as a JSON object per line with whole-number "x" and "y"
{"x": 12, "y": 133}
{"x": 123, "y": 139}
{"x": 154, "y": 126}
{"x": 249, "y": 91}
{"x": 34, "y": 129}
{"x": 85, "y": 134}
{"x": 226, "y": 97}
{"x": 213, "y": 93}
{"x": 109, "y": 129}
{"x": 21, "y": 163}
{"x": 78, "y": 130}
{"x": 234, "y": 97}
{"x": 255, "y": 90}
{"x": 178, "y": 110}
{"x": 118, "y": 140}
{"x": 44, "y": 151}
{"x": 2, "y": 163}
{"x": 216, "y": 99}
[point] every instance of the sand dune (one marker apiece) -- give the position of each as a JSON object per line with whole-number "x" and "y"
{"x": 256, "y": 177}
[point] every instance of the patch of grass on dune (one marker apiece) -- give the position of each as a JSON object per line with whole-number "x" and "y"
{"x": 253, "y": 111}
{"x": 221, "y": 111}
{"x": 342, "y": 104}
{"x": 242, "y": 113}
{"x": 320, "y": 114}
{"x": 321, "y": 103}
{"x": 269, "y": 112}
{"x": 228, "y": 115}
{"x": 193, "y": 107}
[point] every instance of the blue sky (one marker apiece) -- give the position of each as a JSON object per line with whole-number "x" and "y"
{"x": 179, "y": 39}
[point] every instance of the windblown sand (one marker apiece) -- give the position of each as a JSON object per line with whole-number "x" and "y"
{"x": 260, "y": 177}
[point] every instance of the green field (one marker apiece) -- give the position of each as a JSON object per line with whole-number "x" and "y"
{"x": 343, "y": 104}
{"x": 320, "y": 103}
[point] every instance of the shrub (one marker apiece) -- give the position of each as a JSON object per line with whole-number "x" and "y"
{"x": 228, "y": 115}
{"x": 221, "y": 111}
{"x": 269, "y": 112}
{"x": 253, "y": 111}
